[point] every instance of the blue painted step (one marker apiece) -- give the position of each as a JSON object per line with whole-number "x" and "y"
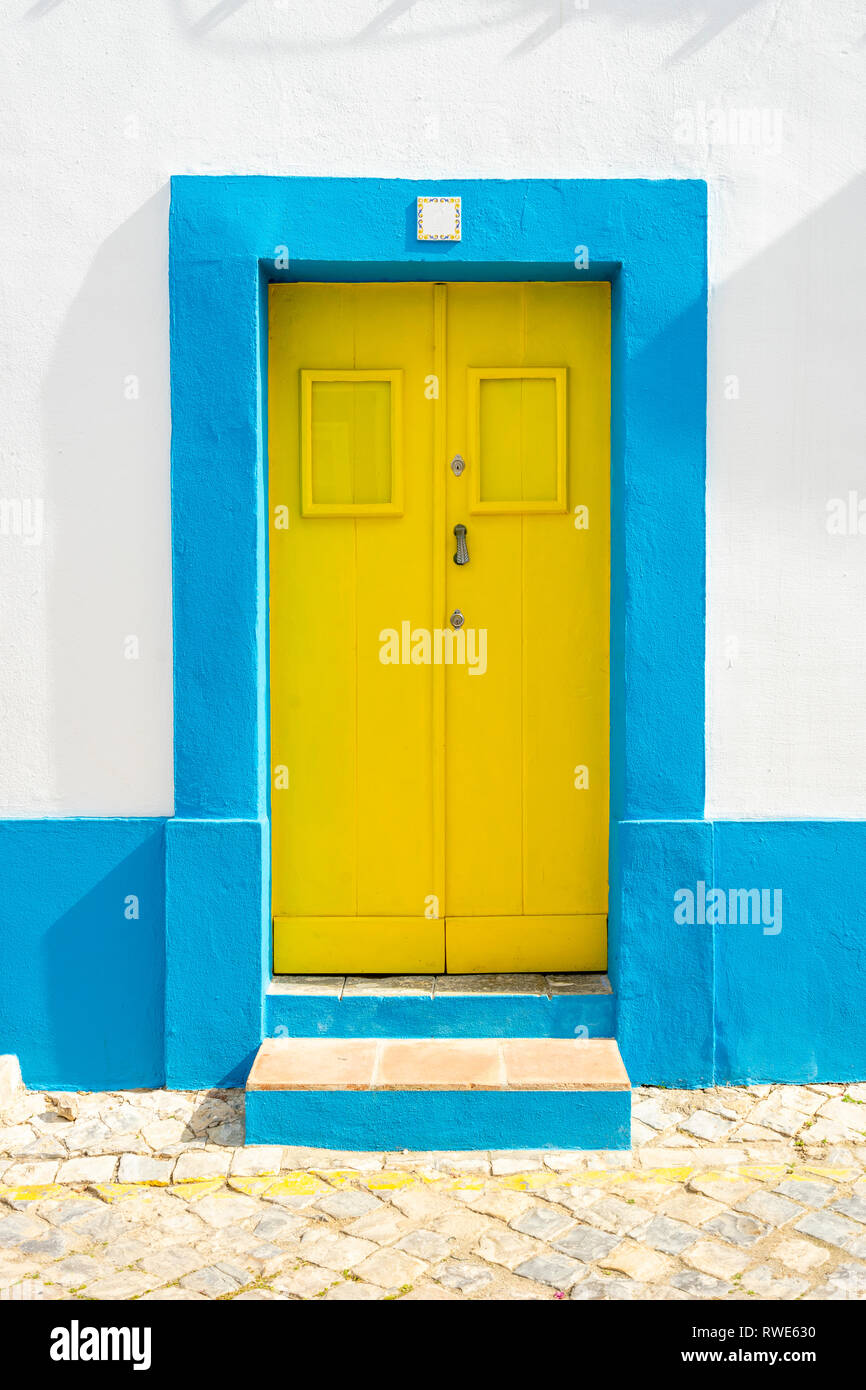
{"x": 446, "y": 1006}
{"x": 422, "y": 1094}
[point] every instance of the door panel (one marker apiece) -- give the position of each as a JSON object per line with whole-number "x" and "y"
{"x": 351, "y": 443}
{"x": 352, "y": 832}
{"x": 494, "y": 945}
{"x": 434, "y": 811}
{"x": 517, "y": 439}
{"x": 525, "y": 845}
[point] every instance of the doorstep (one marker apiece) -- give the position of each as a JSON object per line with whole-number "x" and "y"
{"x": 440, "y": 1006}
{"x": 427, "y": 1094}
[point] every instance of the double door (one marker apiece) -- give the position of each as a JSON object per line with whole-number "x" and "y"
{"x": 439, "y": 626}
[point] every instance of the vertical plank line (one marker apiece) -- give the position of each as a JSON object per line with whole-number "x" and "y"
{"x": 440, "y": 463}
{"x": 354, "y": 295}
{"x": 523, "y": 671}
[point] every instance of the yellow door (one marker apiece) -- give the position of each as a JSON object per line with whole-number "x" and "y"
{"x": 439, "y": 730}
{"x": 527, "y": 742}
{"x": 351, "y": 462}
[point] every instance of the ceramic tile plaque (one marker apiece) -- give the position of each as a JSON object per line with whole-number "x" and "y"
{"x": 438, "y": 219}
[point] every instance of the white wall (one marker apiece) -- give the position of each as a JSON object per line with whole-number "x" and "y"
{"x": 103, "y": 101}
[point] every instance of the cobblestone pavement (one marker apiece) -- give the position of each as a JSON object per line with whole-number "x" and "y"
{"x": 737, "y": 1193}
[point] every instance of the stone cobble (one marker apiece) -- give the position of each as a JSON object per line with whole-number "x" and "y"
{"x": 733, "y": 1193}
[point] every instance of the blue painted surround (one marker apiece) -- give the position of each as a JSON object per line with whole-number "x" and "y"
{"x": 91, "y": 997}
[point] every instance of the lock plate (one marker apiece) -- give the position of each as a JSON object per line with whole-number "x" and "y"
{"x": 457, "y": 619}
{"x": 458, "y": 463}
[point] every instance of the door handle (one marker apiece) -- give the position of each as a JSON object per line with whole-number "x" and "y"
{"x": 462, "y": 555}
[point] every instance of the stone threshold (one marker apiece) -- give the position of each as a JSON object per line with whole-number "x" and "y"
{"x": 439, "y": 986}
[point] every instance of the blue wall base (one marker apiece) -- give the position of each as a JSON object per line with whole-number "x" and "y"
{"x": 82, "y": 952}
{"x": 427, "y": 1120}
{"x": 136, "y": 953}
{"x": 727, "y": 1003}
{"x": 217, "y": 932}
{"x": 662, "y": 973}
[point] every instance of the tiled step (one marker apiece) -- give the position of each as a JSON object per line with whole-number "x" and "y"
{"x": 458, "y": 1093}
{"x": 440, "y": 1006}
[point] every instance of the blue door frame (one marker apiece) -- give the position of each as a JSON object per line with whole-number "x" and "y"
{"x": 229, "y": 237}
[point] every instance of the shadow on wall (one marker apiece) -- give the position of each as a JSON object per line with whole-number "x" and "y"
{"x": 83, "y": 929}
{"x": 42, "y": 7}
{"x": 204, "y": 20}
{"x": 787, "y": 419}
{"x": 105, "y": 407}
{"x": 104, "y": 976}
